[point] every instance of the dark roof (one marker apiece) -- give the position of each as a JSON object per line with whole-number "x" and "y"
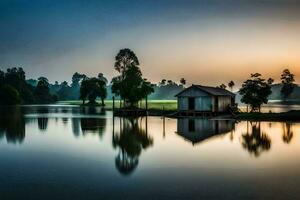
{"x": 210, "y": 90}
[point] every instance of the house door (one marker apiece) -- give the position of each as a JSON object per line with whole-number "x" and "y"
{"x": 191, "y": 103}
{"x": 216, "y": 104}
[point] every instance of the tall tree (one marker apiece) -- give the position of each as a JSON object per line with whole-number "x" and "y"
{"x": 231, "y": 85}
{"x": 255, "y": 92}
{"x": 130, "y": 85}
{"x": 287, "y": 80}
{"x": 125, "y": 59}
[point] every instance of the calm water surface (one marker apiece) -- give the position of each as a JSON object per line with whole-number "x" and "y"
{"x": 65, "y": 152}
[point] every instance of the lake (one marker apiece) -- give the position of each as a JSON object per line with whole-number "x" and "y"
{"x": 68, "y": 152}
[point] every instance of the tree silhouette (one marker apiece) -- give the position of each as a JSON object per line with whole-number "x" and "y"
{"x": 163, "y": 82}
{"x": 270, "y": 81}
{"x": 255, "y": 91}
{"x": 125, "y": 59}
{"x": 182, "y": 81}
{"x": 92, "y": 88}
{"x": 16, "y": 79}
{"x": 9, "y": 95}
{"x": 42, "y": 91}
{"x": 222, "y": 86}
{"x": 287, "y": 80}
{"x": 231, "y": 85}
{"x": 130, "y": 85}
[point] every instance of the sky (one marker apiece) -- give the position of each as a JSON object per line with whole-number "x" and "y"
{"x": 207, "y": 42}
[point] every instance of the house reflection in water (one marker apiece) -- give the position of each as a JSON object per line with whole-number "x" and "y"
{"x": 197, "y": 130}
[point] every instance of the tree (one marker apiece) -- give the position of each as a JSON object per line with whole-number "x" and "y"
{"x": 222, "y": 86}
{"x": 64, "y": 93}
{"x": 287, "y": 80}
{"x": 182, "y": 81}
{"x": 125, "y": 59}
{"x": 2, "y": 75}
{"x": 130, "y": 85}
{"x": 255, "y": 91}
{"x": 270, "y": 81}
{"x": 163, "y": 82}
{"x": 92, "y": 88}
{"x": 76, "y": 78}
{"x": 9, "y": 95}
{"x": 42, "y": 91}
{"x": 16, "y": 78}
{"x": 231, "y": 84}
{"x": 170, "y": 82}
{"x": 102, "y": 78}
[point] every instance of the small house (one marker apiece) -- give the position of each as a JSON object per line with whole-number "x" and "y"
{"x": 204, "y": 99}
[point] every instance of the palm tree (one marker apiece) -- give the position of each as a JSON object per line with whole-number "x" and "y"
{"x": 231, "y": 84}
{"x": 182, "y": 81}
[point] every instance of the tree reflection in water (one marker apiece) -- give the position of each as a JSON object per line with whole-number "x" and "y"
{"x": 93, "y": 124}
{"x": 130, "y": 141}
{"x": 287, "y": 132}
{"x": 256, "y": 141}
{"x": 12, "y": 124}
{"x": 43, "y": 119}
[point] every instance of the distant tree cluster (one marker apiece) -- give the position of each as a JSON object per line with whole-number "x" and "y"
{"x": 256, "y": 90}
{"x": 15, "y": 90}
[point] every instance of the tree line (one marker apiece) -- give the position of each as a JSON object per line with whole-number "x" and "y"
{"x": 129, "y": 85}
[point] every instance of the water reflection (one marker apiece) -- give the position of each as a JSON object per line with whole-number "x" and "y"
{"x": 287, "y": 132}
{"x": 254, "y": 140}
{"x": 93, "y": 125}
{"x": 130, "y": 140}
{"x": 76, "y": 126}
{"x": 12, "y": 125}
{"x": 196, "y": 130}
{"x": 42, "y": 119}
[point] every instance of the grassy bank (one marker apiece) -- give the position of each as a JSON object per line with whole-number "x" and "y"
{"x": 293, "y": 115}
{"x": 167, "y": 105}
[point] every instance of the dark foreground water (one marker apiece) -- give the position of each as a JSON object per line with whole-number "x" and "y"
{"x": 54, "y": 152}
